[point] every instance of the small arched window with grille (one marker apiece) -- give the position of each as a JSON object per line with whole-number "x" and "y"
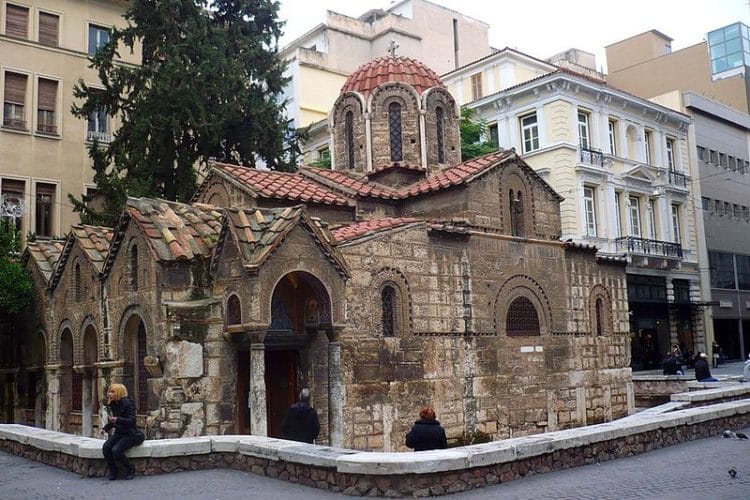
{"x": 599, "y": 313}
{"x": 516, "y": 213}
{"x": 388, "y": 298}
{"x": 133, "y": 271}
{"x": 522, "y": 319}
{"x": 234, "y": 310}
{"x": 439, "y": 127}
{"x": 349, "y": 128}
{"x": 78, "y": 286}
{"x": 394, "y": 128}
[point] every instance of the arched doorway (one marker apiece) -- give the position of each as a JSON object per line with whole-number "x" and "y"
{"x": 134, "y": 375}
{"x": 90, "y": 393}
{"x": 294, "y": 346}
{"x": 32, "y": 393}
{"x": 70, "y": 389}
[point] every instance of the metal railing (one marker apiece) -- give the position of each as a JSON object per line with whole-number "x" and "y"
{"x": 592, "y": 156}
{"x": 677, "y": 179}
{"x": 633, "y": 244}
{"x": 99, "y": 136}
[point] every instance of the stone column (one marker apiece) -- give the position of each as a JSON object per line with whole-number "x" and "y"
{"x": 257, "y": 396}
{"x": 368, "y": 142}
{"x": 335, "y": 395}
{"x": 53, "y": 397}
{"x": 87, "y": 388}
{"x": 423, "y": 137}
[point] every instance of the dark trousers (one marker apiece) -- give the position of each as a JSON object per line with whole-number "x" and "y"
{"x": 114, "y": 451}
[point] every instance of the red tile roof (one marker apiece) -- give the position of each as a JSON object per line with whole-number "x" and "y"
{"x": 371, "y": 75}
{"x": 349, "y": 184}
{"x": 349, "y": 232}
{"x": 289, "y": 186}
{"x": 44, "y": 254}
{"x": 94, "y": 241}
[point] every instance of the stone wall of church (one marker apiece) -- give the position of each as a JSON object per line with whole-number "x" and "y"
{"x": 409, "y": 136}
{"x": 451, "y": 348}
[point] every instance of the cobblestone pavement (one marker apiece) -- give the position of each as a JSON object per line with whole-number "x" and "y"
{"x": 697, "y": 469}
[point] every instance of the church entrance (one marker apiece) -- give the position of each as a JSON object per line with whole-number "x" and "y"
{"x": 281, "y": 387}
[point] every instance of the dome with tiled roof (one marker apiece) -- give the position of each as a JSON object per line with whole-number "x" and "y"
{"x": 369, "y": 76}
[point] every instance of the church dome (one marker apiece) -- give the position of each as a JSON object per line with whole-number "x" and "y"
{"x": 369, "y": 76}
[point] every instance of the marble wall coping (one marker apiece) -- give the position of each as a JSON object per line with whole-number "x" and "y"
{"x": 383, "y": 463}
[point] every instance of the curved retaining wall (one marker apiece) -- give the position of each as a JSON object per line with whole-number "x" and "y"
{"x": 389, "y": 474}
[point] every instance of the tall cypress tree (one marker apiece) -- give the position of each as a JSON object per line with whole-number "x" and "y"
{"x": 209, "y": 85}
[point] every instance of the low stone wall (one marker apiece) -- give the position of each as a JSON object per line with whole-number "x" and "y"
{"x": 389, "y": 474}
{"x": 654, "y": 390}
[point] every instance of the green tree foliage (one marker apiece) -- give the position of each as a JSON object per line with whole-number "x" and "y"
{"x": 15, "y": 282}
{"x": 209, "y": 86}
{"x": 473, "y": 131}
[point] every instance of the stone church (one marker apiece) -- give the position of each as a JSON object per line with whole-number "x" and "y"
{"x": 399, "y": 278}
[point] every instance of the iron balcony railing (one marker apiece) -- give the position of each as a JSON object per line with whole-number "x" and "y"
{"x": 677, "y": 179}
{"x": 592, "y": 156}
{"x": 99, "y": 136}
{"x": 633, "y": 244}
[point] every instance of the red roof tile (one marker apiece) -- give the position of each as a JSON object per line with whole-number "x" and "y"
{"x": 291, "y": 186}
{"x": 369, "y": 76}
{"x": 350, "y": 184}
{"x": 44, "y": 254}
{"x": 351, "y": 231}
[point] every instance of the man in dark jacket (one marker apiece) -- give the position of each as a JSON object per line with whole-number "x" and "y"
{"x": 426, "y": 433}
{"x": 702, "y": 373}
{"x": 301, "y": 420}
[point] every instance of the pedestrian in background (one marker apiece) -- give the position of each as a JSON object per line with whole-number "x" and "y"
{"x": 121, "y": 411}
{"x": 301, "y": 420}
{"x": 426, "y": 433}
{"x": 702, "y": 372}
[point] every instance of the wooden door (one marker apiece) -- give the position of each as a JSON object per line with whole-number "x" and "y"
{"x": 281, "y": 387}
{"x": 243, "y": 387}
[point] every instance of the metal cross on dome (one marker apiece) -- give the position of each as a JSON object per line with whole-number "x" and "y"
{"x": 392, "y": 48}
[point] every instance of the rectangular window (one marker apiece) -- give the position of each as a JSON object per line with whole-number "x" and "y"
{"x": 476, "y": 86}
{"x": 743, "y": 271}
{"x": 651, "y": 214}
{"x": 736, "y": 210}
{"x": 494, "y": 135}
{"x": 46, "y": 103}
{"x": 705, "y": 204}
{"x": 676, "y": 236}
{"x": 14, "y": 115}
{"x": 647, "y": 145}
{"x": 618, "y": 216}
{"x": 702, "y": 153}
{"x": 98, "y": 37}
{"x": 589, "y": 203}
{"x": 670, "y": 155}
{"x": 530, "y": 133}
{"x": 16, "y": 21}
{"x": 713, "y": 157}
{"x": 723, "y": 160}
{"x": 634, "y": 210}
{"x": 49, "y": 25}
{"x": 721, "y": 266}
{"x": 13, "y": 200}
{"x": 45, "y": 202}
{"x": 612, "y": 138}
{"x": 98, "y": 126}
{"x": 584, "y": 139}
{"x": 731, "y": 164}
{"x": 324, "y": 154}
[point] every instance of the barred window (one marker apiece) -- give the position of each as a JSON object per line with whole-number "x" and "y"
{"x": 388, "y": 296}
{"x": 78, "y": 285}
{"x": 522, "y": 319}
{"x": 599, "y": 316}
{"x": 234, "y": 311}
{"x": 349, "y": 126}
{"x": 439, "y": 128}
{"x": 394, "y": 127}
{"x": 133, "y": 267}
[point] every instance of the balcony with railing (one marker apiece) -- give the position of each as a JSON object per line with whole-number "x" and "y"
{"x": 103, "y": 137}
{"x": 645, "y": 252}
{"x": 677, "y": 179}
{"x": 592, "y": 156}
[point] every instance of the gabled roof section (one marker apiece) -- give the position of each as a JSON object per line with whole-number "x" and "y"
{"x": 349, "y": 232}
{"x": 94, "y": 242}
{"x": 176, "y": 231}
{"x": 258, "y": 233}
{"x": 349, "y": 184}
{"x": 640, "y": 172}
{"x": 45, "y": 255}
{"x": 279, "y": 185}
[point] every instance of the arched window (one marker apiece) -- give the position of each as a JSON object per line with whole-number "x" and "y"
{"x": 78, "y": 287}
{"x": 599, "y": 313}
{"x": 234, "y": 311}
{"x": 522, "y": 319}
{"x": 516, "y": 213}
{"x": 134, "y": 267}
{"x": 349, "y": 127}
{"x": 394, "y": 127}
{"x": 388, "y": 298}
{"x": 439, "y": 128}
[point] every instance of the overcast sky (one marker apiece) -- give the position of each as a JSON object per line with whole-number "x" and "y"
{"x": 542, "y": 28}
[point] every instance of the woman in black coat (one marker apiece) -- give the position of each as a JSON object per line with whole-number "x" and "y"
{"x": 122, "y": 420}
{"x": 427, "y": 433}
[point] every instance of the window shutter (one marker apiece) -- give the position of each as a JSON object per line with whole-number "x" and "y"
{"x": 47, "y": 94}
{"x": 48, "y": 29}
{"x": 45, "y": 189}
{"x": 11, "y": 186}
{"x": 16, "y": 21}
{"x": 15, "y": 88}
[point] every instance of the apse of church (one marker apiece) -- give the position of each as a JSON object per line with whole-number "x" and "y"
{"x": 397, "y": 279}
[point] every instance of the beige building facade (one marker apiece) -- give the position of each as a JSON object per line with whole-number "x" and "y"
{"x": 44, "y": 51}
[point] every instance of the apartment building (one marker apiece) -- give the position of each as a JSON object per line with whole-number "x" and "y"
{"x": 708, "y": 81}
{"x": 320, "y": 61}
{"x": 44, "y": 51}
{"x": 622, "y": 163}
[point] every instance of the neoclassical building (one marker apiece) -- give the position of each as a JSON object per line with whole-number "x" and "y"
{"x": 399, "y": 278}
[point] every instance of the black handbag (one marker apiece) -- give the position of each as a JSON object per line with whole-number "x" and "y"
{"x": 139, "y": 436}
